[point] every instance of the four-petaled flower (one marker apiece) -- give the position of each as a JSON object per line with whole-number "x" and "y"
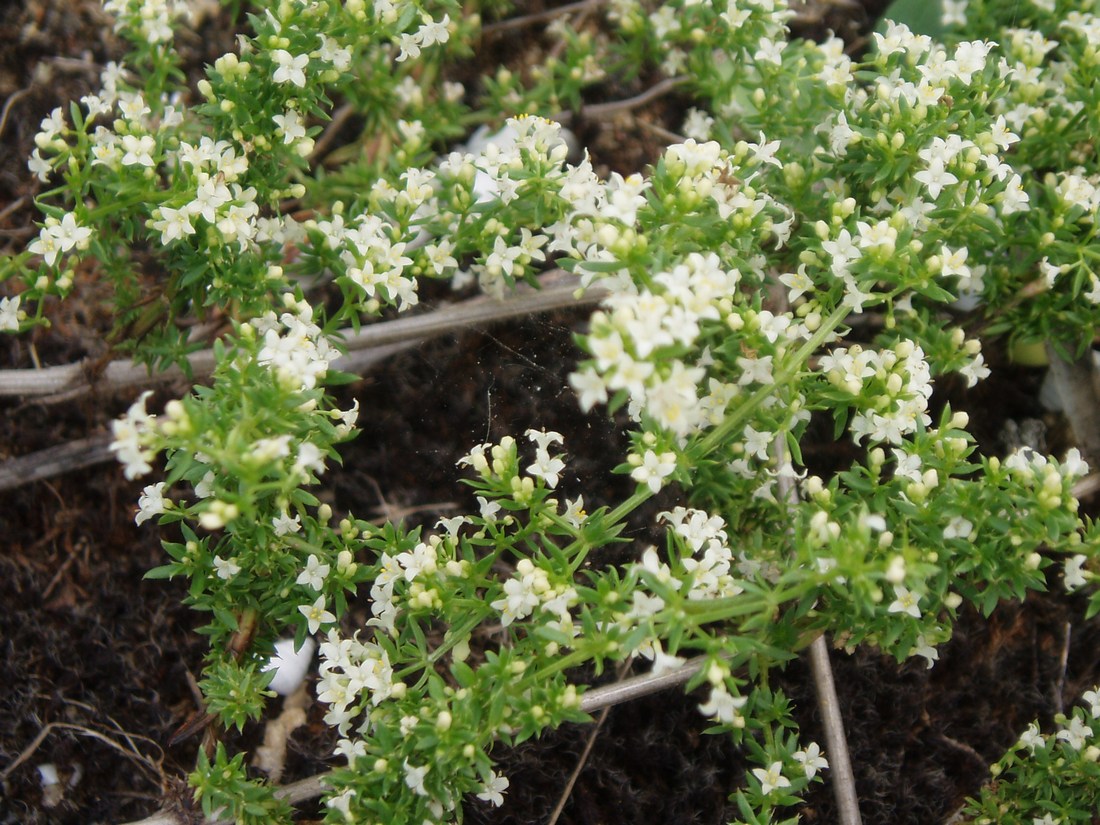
{"x": 291, "y": 67}
{"x": 316, "y": 614}
{"x": 811, "y": 759}
{"x": 905, "y": 602}
{"x": 772, "y": 778}
{"x": 494, "y": 789}
{"x": 313, "y": 576}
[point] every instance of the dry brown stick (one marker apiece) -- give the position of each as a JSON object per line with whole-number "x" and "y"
{"x": 372, "y": 345}
{"x": 559, "y": 292}
{"x": 590, "y": 742}
{"x": 54, "y": 461}
{"x": 538, "y": 17}
{"x": 603, "y": 111}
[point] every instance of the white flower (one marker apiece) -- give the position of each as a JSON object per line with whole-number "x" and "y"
{"x": 494, "y": 789}
{"x": 1031, "y": 738}
{"x": 1093, "y": 698}
{"x": 519, "y": 600}
{"x": 574, "y": 512}
{"x": 151, "y": 503}
{"x": 226, "y": 568}
{"x": 313, "y": 576}
{"x": 547, "y": 468}
{"x": 723, "y": 706}
{"x": 210, "y": 195}
{"x": 173, "y": 225}
{"x": 291, "y": 125}
{"x": 138, "y": 151}
{"x": 1072, "y": 467}
{"x": 9, "y": 313}
{"x": 1076, "y": 735}
{"x": 653, "y": 469}
{"x": 414, "y": 778}
{"x": 935, "y": 177}
{"x": 39, "y": 166}
{"x": 958, "y": 528}
{"x": 926, "y": 650}
{"x": 590, "y": 386}
{"x": 291, "y": 67}
{"x": 811, "y": 759}
{"x": 127, "y": 444}
{"x": 757, "y": 443}
{"x": 284, "y": 523}
{"x": 316, "y": 614}
{"x": 905, "y": 602}
{"x": 771, "y": 779}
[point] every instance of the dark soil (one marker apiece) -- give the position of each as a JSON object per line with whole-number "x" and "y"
{"x": 97, "y": 665}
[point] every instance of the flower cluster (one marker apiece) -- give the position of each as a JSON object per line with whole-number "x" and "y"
{"x": 1024, "y": 794}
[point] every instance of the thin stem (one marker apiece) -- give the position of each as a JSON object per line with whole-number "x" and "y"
{"x": 840, "y": 763}
{"x": 538, "y": 17}
{"x": 790, "y": 368}
{"x": 603, "y": 111}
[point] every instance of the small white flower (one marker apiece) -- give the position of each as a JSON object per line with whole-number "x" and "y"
{"x": 316, "y": 614}
{"x": 654, "y": 469}
{"x": 1031, "y": 738}
{"x": 1074, "y": 576}
{"x": 226, "y": 568}
{"x": 494, "y": 789}
{"x": 414, "y": 778}
{"x": 811, "y": 759}
{"x": 313, "y": 576}
{"x": 151, "y": 503}
{"x": 291, "y": 67}
{"x": 547, "y": 468}
{"x": 489, "y": 509}
{"x": 771, "y": 779}
{"x": 926, "y": 650}
{"x": 905, "y": 602}
{"x": 284, "y": 523}
{"x": 9, "y": 313}
{"x": 173, "y": 225}
{"x": 138, "y": 151}
{"x": 1076, "y": 735}
{"x": 1093, "y": 698}
{"x": 723, "y": 706}
{"x": 291, "y": 125}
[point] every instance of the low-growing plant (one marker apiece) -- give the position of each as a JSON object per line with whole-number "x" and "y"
{"x": 949, "y": 190}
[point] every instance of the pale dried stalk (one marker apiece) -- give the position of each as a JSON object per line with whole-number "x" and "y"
{"x": 842, "y": 777}
{"x": 558, "y": 292}
{"x": 593, "y": 700}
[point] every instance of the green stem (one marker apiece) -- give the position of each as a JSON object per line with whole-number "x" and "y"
{"x": 792, "y": 366}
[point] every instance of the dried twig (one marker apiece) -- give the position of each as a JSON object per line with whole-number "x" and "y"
{"x": 538, "y": 17}
{"x": 54, "y": 461}
{"x": 605, "y": 111}
{"x": 559, "y": 291}
{"x": 366, "y": 348}
{"x": 583, "y": 760}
